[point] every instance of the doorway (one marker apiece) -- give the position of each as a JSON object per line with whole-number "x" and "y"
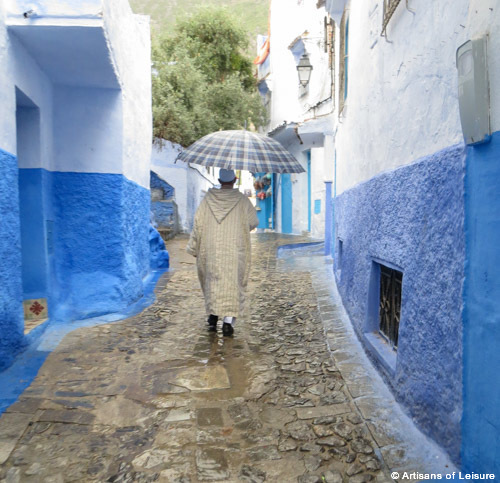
{"x": 31, "y": 211}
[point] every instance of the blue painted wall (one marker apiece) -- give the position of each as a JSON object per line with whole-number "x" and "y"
{"x": 328, "y": 216}
{"x": 11, "y": 289}
{"x": 101, "y": 252}
{"x": 33, "y": 233}
{"x": 412, "y": 218}
{"x": 156, "y": 182}
{"x": 481, "y": 420}
{"x": 165, "y": 213}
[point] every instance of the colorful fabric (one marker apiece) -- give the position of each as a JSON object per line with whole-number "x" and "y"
{"x": 241, "y": 150}
{"x": 220, "y": 241}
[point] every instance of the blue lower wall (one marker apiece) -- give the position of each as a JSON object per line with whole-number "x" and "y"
{"x": 101, "y": 251}
{"x": 481, "y": 420}
{"x": 412, "y": 218}
{"x": 85, "y": 245}
{"x": 11, "y": 287}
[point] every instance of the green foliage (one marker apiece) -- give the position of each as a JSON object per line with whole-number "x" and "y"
{"x": 202, "y": 81}
{"x": 253, "y": 14}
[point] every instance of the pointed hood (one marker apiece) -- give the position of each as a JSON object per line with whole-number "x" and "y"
{"x": 222, "y": 201}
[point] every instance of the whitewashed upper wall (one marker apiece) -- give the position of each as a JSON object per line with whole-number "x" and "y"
{"x": 19, "y": 68}
{"x": 87, "y": 66}
{"x": 402, "y": 101}
{"x": 130, "y": 46}
{"x": 55, "y": 8}
{"x": 289, "y": 20}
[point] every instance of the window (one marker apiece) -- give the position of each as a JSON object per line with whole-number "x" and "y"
{"x": 344, "y": 59}
{"x": 330, "y": 50}
{"x": 391, "y": 282}
{"x": 340, "y": 251}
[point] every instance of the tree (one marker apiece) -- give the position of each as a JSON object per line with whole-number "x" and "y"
{"x": 202, "y": 81}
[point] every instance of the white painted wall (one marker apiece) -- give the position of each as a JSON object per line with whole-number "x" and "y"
{"x": 191, "y": 182}
{"x": 289, "y": 20}
{"x": 318, "y": 192}
{"x": 100, "y": 115}
{"x": 402, "y": 101}
{"x": 130, "y": 44}
{"x": 87, "y": 126}
{"x": 299, "y": 196}
{"x": 66, "y": 8}
{"x": 21, "y": 70}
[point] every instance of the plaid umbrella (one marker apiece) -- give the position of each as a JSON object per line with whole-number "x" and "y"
{"x": 241, "y": 150}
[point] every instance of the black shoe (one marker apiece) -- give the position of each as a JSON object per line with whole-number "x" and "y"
{"x": 212, "y": 322}
{"x": 227, "y": 329}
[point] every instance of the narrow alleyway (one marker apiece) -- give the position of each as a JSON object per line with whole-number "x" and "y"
{"x": 159, "y": 398}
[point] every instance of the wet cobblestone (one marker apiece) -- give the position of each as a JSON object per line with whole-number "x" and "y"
{"x": 159, "y": 398}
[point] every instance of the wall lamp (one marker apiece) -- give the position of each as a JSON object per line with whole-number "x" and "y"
{"x": 304, "y": 69}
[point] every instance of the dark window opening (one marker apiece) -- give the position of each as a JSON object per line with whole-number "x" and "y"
{"x": 340, "y": 250}
{"x": 391, "y": 282}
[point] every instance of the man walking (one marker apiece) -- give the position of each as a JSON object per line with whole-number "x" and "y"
{"x": 220, "y": 241}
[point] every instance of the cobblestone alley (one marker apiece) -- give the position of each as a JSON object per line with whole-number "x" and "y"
{"x": 290, "y": 397}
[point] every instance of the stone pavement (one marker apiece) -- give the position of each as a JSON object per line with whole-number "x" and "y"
{"x": 157, "y": 397}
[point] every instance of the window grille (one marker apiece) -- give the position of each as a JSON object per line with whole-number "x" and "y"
{"x": 344, "y": 57}
{"x": 330, "y": 50}
{"x": 391, "y": 282}
{"x": 389, "y": 9}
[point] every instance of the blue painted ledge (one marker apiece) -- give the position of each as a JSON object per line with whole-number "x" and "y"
{"x": 45, "y": 338}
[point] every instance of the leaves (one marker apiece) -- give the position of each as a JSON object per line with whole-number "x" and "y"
{"x": 202, "y": 82}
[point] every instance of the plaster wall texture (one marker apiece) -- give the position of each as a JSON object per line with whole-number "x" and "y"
{"x": 88, "y": 126}
{"x": 11, "y": 293}
{"x": 305, "y": 19}
{"x": 299, "y": 196}
{"x": 22, "y": 71}
{"x": 118, "y": 58}
{"x": 408, "y": 106}
{"x": 481, "y": 420}
{"x": 318, "y": 192}
{"x": 81, "y": 165}
{"x": 101, "y": 239}
{"x": 302, "y": 31}
{"x": 55, "y": 8}
{"x": 130, "y": 49}
{"x": 190, "y": 183}
{"x": 411, "y": 218}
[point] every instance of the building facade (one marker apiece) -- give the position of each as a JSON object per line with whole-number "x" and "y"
{"x": 412, "y": 210}
{"x": 416, "y": 217}
{"x": 300, "y": 115}
{"x": 75, "y": 147}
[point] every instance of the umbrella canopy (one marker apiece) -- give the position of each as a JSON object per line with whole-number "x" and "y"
{"x": 241, "y": 150}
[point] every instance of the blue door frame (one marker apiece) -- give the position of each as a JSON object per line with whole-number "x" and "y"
{"x": 286, "y": 203}
{"x": 309, "y": 207}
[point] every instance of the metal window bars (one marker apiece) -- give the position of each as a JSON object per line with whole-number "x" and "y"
{"x": 389, "y": 9}
{"x": 391, "y": 282}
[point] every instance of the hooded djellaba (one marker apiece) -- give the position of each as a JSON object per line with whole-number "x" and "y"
{"x": 220, "y": 241}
